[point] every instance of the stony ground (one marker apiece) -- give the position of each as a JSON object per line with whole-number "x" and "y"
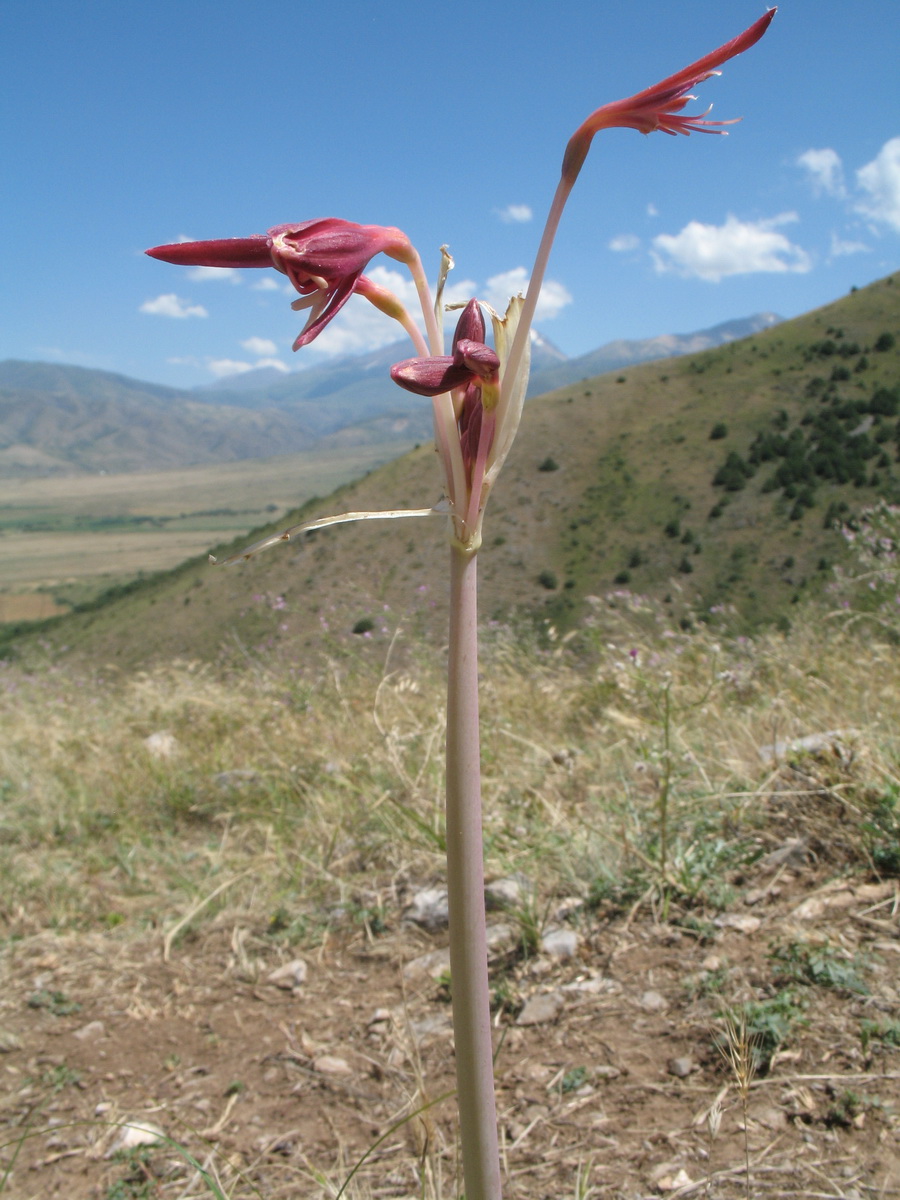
{"x": 609, "y": 1079}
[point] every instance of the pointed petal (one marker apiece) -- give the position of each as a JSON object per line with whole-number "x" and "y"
{"x": 321, "y": 315}
{"x": 221, "y": 252}
{"x": 430, "y": 376}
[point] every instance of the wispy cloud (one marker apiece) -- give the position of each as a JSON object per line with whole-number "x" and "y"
{"x": 266, "y": 284}
{"x": 223, "y": 367}
{"x": 713, "y": 252}
{"x": 260, "y": 346}
{"x": 624, "y": 242}
{"x": 825, "y": 170}
{"x": 880, "y": 180}
{"x": 840, "y": 247}
{"x": 515, "y": 214}
{"x": 170, "y": 305}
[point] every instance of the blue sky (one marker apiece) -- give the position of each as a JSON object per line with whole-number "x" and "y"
{"x": 128, "y": 125}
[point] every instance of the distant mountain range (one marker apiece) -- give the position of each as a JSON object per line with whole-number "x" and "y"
{"x": 56, "y": 418}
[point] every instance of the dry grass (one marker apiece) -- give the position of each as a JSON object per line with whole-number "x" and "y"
{"x": 629, "y": 754}
{"x": 623, "y": 768}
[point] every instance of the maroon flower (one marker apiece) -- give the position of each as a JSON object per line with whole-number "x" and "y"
{"x": 471, "y": 361}
{"x": 472, "y": 373}
{"x": 659, "y": 107}
{"x": 323, "y": 259}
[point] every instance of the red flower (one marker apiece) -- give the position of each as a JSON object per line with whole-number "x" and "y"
{"x": 323, "y": 260}
{"x": 659, "y": 107}
{"x": 472, "y": 362}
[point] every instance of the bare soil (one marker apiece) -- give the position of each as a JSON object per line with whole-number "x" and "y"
{"x": 242, "y": 1073}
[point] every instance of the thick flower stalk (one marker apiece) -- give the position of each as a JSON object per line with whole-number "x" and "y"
{"x": 477, "y": 393}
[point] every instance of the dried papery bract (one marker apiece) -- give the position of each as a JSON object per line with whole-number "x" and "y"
{"x": 477, "y": 393}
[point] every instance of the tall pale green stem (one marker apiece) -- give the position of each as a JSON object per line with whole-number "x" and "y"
{"x": 465, "y": 886}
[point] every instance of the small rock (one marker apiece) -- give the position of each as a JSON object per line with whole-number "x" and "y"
{"x": 769, "y": 1115}
{"x": 604, "y": 1071}
{"x": 712, "y": 962}
{"x": 792, "y": 850}
{"x": 101, "y": 1109}
{"x": 593, "y": 986}
{"x": 567, "y": 906}
{"x": 738, "y": 921}
{"x": 237, "y": 780}
{"x": 438, "y": 1024}
{"x": 432, "y": 965}
{"x": 560, "y": 943}
{"x": 290, "y": 976}
{"x": 9, "y": 1041}
{"x": 541, "y": 1010}
{"x": 500, "y": 938}
{"x": 832, "y": 741}
{"x": 671, "y": 1183}
{"x": 381, "y": 1016}
{"x": 161, "y": 745}
{"x": 134, "y": 1134}
{"x": 330, "y": 1064}
{"x": 503, "y": 893}
{"x": 428, "y": 909}
{"x": 680, "y": 1067}
{"x": 94, "y": 1029}
{"x": 653, "y": 1002}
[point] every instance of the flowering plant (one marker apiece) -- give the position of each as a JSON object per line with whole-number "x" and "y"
{"x": 477, "y": 394}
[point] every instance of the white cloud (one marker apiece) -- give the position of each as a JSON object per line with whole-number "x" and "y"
{"x": 359, "y": 327}
{"x": 825, "y": 171}
{"x": 553, "y": 298}
{"x": 223, "y": 274}
{"x": 260, "y": 346}
{"x": 515, "y": 214}
{"x": 170, "y": 305}
{"x": 881, "y": 179}
{"x": 223, "y": 367}
{"x": 275, "y": 363}
{"x": 652, "y": 210}
{"x": 624, "y": 242}
{"x": 713, "y": 252}
{"x": 266, "y": 284}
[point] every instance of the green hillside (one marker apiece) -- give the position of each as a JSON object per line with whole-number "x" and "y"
{"x": 713, "y": 480}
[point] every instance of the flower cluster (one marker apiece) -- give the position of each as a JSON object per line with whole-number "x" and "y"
{"x": 477, "y": 390}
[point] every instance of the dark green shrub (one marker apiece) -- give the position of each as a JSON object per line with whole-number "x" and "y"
{"x": 733, "y": 474}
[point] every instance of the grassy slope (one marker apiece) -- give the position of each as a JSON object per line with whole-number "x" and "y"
{"x": 632, "y": 454}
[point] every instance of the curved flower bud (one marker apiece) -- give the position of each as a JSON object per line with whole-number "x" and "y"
{"x": 470, "y": 362}
{"x": 472, "y": 374}
{"x": 323, "y": 259}
{"x": 470, "y": 325}
{"x": 659, "y": 107}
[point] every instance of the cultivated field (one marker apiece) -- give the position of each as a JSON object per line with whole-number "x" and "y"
{"x": 71, "y": 536}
